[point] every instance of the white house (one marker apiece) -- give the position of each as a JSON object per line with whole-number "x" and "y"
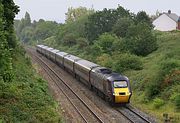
{"x": 167, "y": 22}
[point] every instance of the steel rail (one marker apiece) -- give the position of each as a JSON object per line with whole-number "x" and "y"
{"x": 130, "y": 118}
{"x": 85, "y": 104}
{"x": 142, "y": 117}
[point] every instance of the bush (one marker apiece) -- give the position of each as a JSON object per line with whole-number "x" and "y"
{"x": 105, "y": 60}
{"x": 152, "y": 89}
{"x": 140, "y": 40}
{"x": 121, "y": 26}
{"x": 82, "y": 42}
{"x": 26, "y": 98}
{"x": 176, "y": 99}
{"x": 168, "y": 65}
{"x": 177, "y": 102}
{"x": 105, "y": 42}
{"x": 69, "y": 39}
{"x": 123, "y": 62}
{"x": 157, "y": 103}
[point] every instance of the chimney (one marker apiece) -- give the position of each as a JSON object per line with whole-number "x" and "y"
{"x": 169, "y": 11}
{"x": 179, "y": 23}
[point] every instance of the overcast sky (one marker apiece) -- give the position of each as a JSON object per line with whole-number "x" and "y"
{"x": 55, "y": 9}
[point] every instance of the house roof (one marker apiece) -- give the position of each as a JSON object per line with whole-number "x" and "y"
{"x": 173, "y": 16}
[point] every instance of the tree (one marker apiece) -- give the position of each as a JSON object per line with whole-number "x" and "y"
{"x": 105, "y": 42}
{"x": 7, "y": 38}
{"x": 142, "y": 17}
{"x": 82, "y": 42}
{"x": 44, "y": 29}
{"x": 140, "y": 39}
{"x": 27, "y": 19}
{"x": 121, "y": 26}
{"x": 69, "y": 39}
{"x": 10, "y": 9}
{"x": 74, "y": 14}
{"x": 103, "y": 21}
{"x": 77, "y": 28}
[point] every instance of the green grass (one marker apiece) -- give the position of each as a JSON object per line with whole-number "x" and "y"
{"x": 162, "y": 67}
{"x": 26, "y": 98}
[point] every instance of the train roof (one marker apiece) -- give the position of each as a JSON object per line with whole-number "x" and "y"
{"x": 49, "y": 49}
{"x": 87, "y": 64}
{"x": 102, "y": 70}
{"x": 117, "y": 77}
{"x": 44, "y": 47}
{"x": 72, "y": 58}
{"x": 39, "y": 45}
{"x": 55, "y": 51}
{"x": 62, "y": 54}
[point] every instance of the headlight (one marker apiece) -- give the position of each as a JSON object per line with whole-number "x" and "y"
{"x": 115, "y": 94}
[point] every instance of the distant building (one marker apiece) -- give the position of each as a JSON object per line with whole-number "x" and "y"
{"x": 167, "y": 22}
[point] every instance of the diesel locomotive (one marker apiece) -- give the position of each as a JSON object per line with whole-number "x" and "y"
{"x": 113, "y": 87}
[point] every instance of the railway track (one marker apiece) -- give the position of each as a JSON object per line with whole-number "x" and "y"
{"x": 132, "y": 115}
{"x": 82, "y": 108}
{"x": 85, "y": 111}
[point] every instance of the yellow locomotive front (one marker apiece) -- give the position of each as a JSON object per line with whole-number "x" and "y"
{"x": 121, "y": 91}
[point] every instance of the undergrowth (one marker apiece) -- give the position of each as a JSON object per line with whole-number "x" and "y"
{"x": 26, "y": 98}
{"x": 156, "y": 87}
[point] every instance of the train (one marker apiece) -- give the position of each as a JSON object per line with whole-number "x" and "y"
{"x": 113, "y": 87}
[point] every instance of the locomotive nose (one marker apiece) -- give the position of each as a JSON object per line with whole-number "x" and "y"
{"x": 121, "y": 95}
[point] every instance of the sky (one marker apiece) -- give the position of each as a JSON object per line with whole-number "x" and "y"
{"x": 54, "y": 10}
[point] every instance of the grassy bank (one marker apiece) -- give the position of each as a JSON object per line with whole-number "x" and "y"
{"x": 156, "y": 87}
{"x": 26, "y": 98}
{"x": 154, "y": 78}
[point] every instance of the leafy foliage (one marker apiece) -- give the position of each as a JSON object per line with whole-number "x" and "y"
{"x": 75, "y": 14}
{"x": 76, "y": 28}
{"x": 140, "y": 40}
{"x": 36, "y": 31}
{"x": 23, "y": 96}
{"x": 142, "y": 17}
{"x": 10, "y": 9}
{"x": 7, "y": 13}
{"x": 177, "y": 102}
{"x": 26, "y": 98}
{"x": 124, "y": 62}
{"x": 105, "y": 42}
{"x": 120, "y": 28}
{"x": 103, "y": 21}
{"x": 27, "y": 19}
{"x": 157, "y": 103}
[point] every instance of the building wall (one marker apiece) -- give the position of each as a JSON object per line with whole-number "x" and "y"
{"x": 164, "y": 23}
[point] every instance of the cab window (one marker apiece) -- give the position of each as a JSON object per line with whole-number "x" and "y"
{"x": 120, "y": 84}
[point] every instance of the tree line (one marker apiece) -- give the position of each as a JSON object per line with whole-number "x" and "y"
{"x": 95, "y": 35}
{"x": 8, "y": 40}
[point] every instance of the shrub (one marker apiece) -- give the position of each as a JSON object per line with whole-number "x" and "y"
{"x": 105, "y": 60}
{"x": 177, "y": 102}
{"x": 140, "y": 40}
{"x": 168, "y": 65}
{"x": 123, "y": 62}
{"x": 152, "y": 89}
{"x": 105, "y": 42}
{"x": 157, "y": 103}
{"x": 82, "y": 42}
{"x": 121, "y": 26}
{"x": 69, "y": 40}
